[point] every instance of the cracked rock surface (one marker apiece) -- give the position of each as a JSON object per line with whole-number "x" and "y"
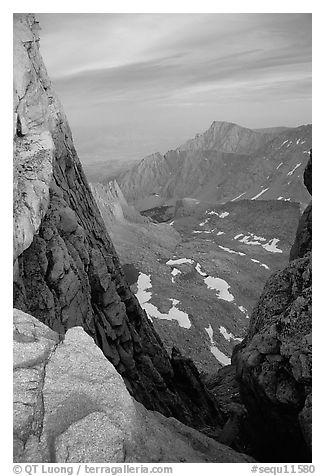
{"x": 274, "y": 361}
{"x": 71, "y": 405}
{"x": 66, "y": 270}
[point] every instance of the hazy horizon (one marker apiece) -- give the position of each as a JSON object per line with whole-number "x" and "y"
{"x": 134, "y": 84}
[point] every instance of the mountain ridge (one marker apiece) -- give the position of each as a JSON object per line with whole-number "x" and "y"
{"x": 220, "y": 164}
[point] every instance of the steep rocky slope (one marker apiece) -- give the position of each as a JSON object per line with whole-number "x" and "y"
{"x": 224, "y": 163}
{"x": 66, "y": 270}
{"x": 136, "y": 238}
{"x": 274, "y": 362}
{"x": 199, "y": 276}
{"x": 71, "y": 406}
{"x": 113, "y": 205}
{"x": 216, "y": 273}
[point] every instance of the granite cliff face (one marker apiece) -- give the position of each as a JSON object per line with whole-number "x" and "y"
{"x": 71, "y": 406}
{"x": 274, "y": 362}
{"x": 66, "y": 270}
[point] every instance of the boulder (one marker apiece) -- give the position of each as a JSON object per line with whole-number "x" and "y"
{"x": 71, "y": 406}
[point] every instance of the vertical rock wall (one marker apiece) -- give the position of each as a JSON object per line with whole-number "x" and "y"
{"x": 274, "y": 362}
{"x": 67, "y": 272}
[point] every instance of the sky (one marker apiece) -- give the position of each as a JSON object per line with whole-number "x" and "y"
{"x": 134, "y": 84}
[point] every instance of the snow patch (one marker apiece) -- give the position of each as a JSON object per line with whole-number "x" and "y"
{"x": 236, "y": 198}
{"x": 237, "y": 236}
{"x": 218, "y": 284}
{"x": 221, "y": 286}
{"x": 259, "y": 238}
{"x": 220, "y": 356}
{"x": 143, "y": 284}
{"x": 228, "y": 335}
{"x": 173, "y": 314}
{"x": 269, "y": 246}
{"x": 220, "y": 233}
{"x": 250, "y": 235}
{"x": 259, "y": 194}
{"x": 279, "y": 165}
{"x": 220, "y": 215}
{"x": 144, "y": 296}
{"x": 272, "y": 246}
{"x": 295, "y": 167}
{"x": 204, "y": 222}
{"x": 199, "y": 270}
{"x": 244, "y": 311}
{"x": 231, "y": 251}
{"x": 179, "y": 261}
{"x": 174, "y": 273}
{"x": 246, "y": 239}
{"x": 261, "y": 264}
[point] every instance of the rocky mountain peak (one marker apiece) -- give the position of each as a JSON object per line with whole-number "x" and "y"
{"x": 226, "y": 162}
{"x": 225, "y": 137}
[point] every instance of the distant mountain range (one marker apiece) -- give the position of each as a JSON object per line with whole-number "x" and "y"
{"x": 225, "y": 163}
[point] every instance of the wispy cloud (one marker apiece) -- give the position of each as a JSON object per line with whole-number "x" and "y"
{"x": 110, "y": 69}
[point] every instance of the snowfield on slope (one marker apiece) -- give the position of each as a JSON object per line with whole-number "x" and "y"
{"x": 173, "y": 314}
{"x": 143, "y": 296}
{"x": 220, "y": 356}
{"x": 228, "y": 335}
{"x": 220, "y": 286}
{"x": 239, "y": 196}
{"x": 244, "y": 311}
{"x": 174, "y": 273}
{"x": 231, "y": 251}
{"x": 261, "y": 264}
{"x": 220, "y": 215}
{"x": 295, "y": 168}
{"x": 259, "y": 194}
{"x": 179, "y": 261}
{"x": 252, "y": 239}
